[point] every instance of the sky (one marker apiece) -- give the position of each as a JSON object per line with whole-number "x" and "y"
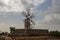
{"x": 46, "y": 14}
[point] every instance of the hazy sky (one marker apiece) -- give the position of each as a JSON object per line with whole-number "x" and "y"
{"x": 47, "y": 13}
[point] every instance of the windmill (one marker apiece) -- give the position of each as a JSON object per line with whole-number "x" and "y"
{"x": 28, "y": 22}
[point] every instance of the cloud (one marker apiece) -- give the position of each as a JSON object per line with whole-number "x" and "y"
{"x": 11, "y": 5}
{"x": 18, "y": 6}
{"x": 5, "y": 26}
{"x": 32, "y": 3}
{"x": 37, "y": 2}
{"x": 14, "y": 5}
{"x": 4, "y": 1}
{"x": 48, "y": 19}
{"x": 56, "y": 6}
{"x": 55, "y": 14}
{"x": 50, "y": 27}
{"x": 51, "y": 18}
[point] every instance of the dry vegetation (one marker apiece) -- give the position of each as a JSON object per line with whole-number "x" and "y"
{"x": 29, "y": 38}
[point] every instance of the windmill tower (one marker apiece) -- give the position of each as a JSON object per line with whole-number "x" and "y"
{"x": 28, "y": 19}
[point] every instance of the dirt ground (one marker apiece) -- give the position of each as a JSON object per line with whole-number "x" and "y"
{"x": 29, "y": 38}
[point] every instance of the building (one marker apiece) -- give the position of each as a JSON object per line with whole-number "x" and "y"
{"x": 30, "y": 32}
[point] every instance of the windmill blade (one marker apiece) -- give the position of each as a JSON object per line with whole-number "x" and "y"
{"x": 28, "y": 14}
{"x": 32, "y": 16}
{"x": 24, "y": 14}
{"x": 28, "y": 11}
{"x": 32, "y": 22}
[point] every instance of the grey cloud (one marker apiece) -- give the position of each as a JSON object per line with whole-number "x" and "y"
{"x": 26, "y": 4}
{"x": 32, "y": 3}
{"x": 51, "y": 18}
{"x": 12, "y": 5}
{"x": 56, "y": 6}
{"x": 56, "y": 13}
{"x": 52, "y": 21}
{"x": 1, "y": 4}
